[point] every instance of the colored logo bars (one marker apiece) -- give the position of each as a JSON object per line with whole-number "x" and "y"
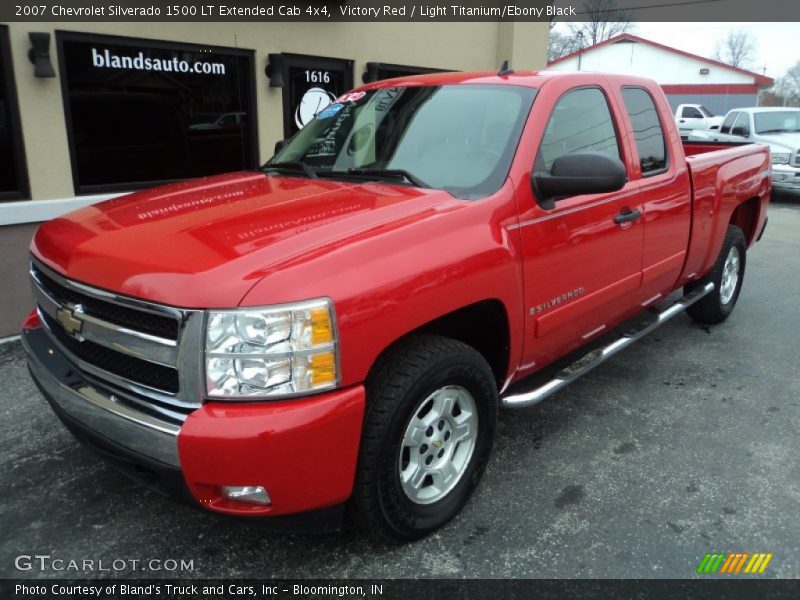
{"x": 733, "y": 563}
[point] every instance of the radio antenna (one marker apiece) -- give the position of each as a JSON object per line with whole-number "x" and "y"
{"x": 505, "y": 70}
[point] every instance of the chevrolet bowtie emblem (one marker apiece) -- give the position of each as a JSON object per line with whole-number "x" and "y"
{"x": 71, "y": 324}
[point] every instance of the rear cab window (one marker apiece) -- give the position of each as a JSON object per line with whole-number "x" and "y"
{"x": 648, "y": 132}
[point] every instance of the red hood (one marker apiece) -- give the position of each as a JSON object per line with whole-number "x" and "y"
{"x": 205, "y": 243}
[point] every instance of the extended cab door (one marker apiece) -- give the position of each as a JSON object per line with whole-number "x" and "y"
{"x": 582, "y": 259}
{"x": 659, "y": 169}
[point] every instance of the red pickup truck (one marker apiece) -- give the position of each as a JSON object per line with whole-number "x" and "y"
{"x": 339, "y": 328}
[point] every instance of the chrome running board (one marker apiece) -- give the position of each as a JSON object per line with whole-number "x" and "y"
{"x": 590, "y": 360}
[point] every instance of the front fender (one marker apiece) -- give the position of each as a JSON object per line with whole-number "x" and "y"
{"x": 389, "y": 282}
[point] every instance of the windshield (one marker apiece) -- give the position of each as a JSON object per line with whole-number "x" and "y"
{"x": 459, "y": 138}
{"x": 705, "y": 111}
{"x": 777, "y": 121}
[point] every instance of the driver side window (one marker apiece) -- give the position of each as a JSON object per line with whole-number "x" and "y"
{"x": 690, "y": 112}
{"x": 728, "y": 123}
{"x": 741, "y": 126}
{"x": 580, "y": 122}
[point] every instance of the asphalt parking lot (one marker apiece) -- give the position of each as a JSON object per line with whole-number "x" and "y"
{"x": 685, "y": 444}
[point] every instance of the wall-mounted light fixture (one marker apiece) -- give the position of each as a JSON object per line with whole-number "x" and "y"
{"x": 39, "y": 54}
{"x": 371, "y": 74}
{"x": 274, "y": 70}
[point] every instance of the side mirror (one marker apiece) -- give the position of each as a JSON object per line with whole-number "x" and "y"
{"x": 740, "y": 131}
{"x": 580, "y": 173}
{"x": 279, "y": 145}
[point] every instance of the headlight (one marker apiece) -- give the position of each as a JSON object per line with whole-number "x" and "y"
{"x": 275, "y": 351}
{"x": 780, "y": 158}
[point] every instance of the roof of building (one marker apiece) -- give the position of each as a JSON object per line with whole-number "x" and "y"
{"x": 761, "y": 80}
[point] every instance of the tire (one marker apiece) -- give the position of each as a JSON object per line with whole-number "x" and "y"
{"x": 718, "y": 305}
{"x": 418, "y": 379}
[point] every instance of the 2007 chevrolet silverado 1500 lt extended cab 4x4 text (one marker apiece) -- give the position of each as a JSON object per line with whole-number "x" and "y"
{"x": 339, "y": 328}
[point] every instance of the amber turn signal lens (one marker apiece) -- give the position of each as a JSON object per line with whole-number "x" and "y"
{"x": 323, "y": 369}
{"x": 321, "y": 326}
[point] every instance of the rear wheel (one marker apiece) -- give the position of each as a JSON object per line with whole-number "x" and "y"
{"x": 727, "y": 276}
{"x": 431, "y": 414}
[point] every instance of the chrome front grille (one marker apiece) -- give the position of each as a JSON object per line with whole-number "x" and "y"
{"x": 147, "y": 355}
{"x": 163, "y": 326}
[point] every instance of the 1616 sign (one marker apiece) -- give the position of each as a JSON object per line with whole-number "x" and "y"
{"x": 312, "y": 83}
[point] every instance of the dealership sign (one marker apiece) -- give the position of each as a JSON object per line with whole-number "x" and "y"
{"x": 140, "y": 62}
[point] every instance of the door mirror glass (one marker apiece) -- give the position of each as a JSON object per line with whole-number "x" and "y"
{"x": 740, "y": 130}
{"x": 579, "y": 173}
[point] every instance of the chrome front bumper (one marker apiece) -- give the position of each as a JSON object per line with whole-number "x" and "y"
{"x": 96, "y": 408}
{"x": 785, "y": 177}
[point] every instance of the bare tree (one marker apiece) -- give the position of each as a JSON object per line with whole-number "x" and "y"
{"x": 792, "y": 79}
{"x": 559, "y": 45}
{"x": 785, "y": 91}
{"x": 603, "y": 20}
{"x": 787, "y": 87}
{"x": 737, "y": 49}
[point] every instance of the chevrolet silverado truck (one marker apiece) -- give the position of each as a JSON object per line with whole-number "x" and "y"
{"x": 338, "y": 329}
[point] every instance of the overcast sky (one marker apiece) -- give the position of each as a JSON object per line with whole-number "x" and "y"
{"x": 777, "y": 44}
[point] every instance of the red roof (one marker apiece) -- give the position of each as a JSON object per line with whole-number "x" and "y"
{"x": 759, "y": 79}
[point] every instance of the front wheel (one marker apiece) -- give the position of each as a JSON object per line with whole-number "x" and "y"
{"x": 431, "y": 413}
{"x": 727, "y": 276}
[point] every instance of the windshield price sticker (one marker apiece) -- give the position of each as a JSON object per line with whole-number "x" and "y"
{"x": 330, "y": 111}
{"x": 351, "y": 97}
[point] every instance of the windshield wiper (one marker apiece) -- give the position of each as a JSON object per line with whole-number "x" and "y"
{"x": 294, "y": 165}
{"x": 390, "y": 173}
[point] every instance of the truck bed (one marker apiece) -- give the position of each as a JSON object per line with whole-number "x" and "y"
{"x": 722, "y": 175}
{"x": 694, "y": 148}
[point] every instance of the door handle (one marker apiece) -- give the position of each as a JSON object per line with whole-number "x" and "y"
{"x": 682, "y": 121}
{"x": 626, "y": 216}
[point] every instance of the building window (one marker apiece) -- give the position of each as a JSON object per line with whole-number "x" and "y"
{"x": 377, "y": 71}
{"x": 142, "y": 112}
{"x": 312, "y": 83}
{"x": 647, "y": 130}
{"x": 13, "y": 175}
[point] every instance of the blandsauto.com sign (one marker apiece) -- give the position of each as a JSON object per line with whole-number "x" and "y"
{"x": 104, "y": 58}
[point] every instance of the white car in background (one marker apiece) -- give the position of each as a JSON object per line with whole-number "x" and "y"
{"x": 778, "y": 127}
{"x": 691, "y": 117}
